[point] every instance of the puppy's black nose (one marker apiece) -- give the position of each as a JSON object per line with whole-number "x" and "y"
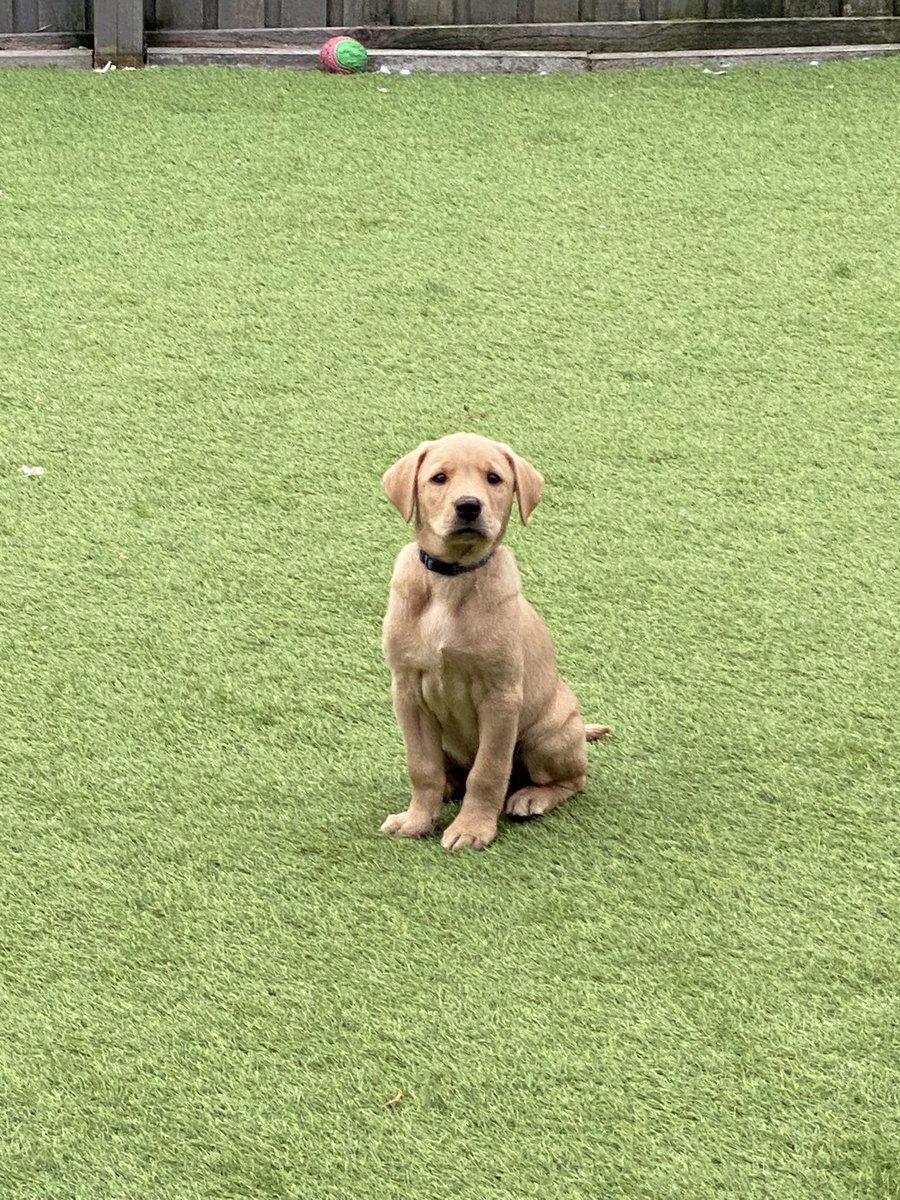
{"x": 468, "y": 508}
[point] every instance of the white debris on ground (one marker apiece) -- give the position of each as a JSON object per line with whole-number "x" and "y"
{"x": 31, "y": 470}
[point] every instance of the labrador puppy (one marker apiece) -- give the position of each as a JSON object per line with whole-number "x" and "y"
{"x": 476, "y": 688}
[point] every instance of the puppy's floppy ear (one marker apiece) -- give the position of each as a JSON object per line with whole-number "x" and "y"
{"x": 399, "y": 481}
{"x": 529, "y": 482}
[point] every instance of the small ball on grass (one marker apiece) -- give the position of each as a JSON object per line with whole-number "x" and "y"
{"x": 343, "y": 56}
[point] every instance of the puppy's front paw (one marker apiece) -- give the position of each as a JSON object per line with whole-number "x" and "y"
{"x": 469, "y": 833}
{"x": 408, "y": 824}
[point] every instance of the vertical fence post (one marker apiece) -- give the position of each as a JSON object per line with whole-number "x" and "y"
{"x": 119, "y": 33}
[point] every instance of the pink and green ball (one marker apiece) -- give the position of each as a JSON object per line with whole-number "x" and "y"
{"x": 343, "y": 56}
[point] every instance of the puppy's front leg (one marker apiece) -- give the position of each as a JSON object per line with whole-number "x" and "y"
{"x": 476, "y": 825}
{"x": 424, "y": 761}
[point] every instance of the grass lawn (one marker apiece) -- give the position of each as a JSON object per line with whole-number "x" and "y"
{"x": 227, "y": 302}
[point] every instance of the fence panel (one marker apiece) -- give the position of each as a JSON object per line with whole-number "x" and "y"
{"x": 423, "y": 12}
{"x": 294, "y": 14}
{"x": 62, "y": 16}
{"x": 297, "y": 13}
{"x": 179, "y": 14}
{"x": 44, "y": 16}
{"x": 549, "y": 10}
{"x": 26, "y": 18}
{"x": 362, "y": 12}
{"x": 23, "y": 16}
{"x": 742, "y": 10}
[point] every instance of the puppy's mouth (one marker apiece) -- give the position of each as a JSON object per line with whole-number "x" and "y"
{"x": 467, "y": 531}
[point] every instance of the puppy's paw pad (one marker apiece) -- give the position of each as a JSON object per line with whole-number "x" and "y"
{"x": 407, "y": 824}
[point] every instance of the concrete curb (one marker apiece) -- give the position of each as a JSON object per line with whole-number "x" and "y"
{"x": 46, "y": 58}
{"x": 722, "y": 59}
{"x": 480, "y": 62}
{"x": 512, "y": 61}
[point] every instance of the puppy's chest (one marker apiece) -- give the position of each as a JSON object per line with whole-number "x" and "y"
{"x": 439, "y": 639}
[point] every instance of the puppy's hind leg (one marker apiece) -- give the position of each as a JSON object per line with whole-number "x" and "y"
{"x": 557, "y": 766}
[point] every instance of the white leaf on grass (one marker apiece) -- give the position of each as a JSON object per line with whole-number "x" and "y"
{"x": 32, "y": 470}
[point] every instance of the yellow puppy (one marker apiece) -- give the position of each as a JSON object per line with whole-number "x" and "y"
{"x": 475, "y": 684}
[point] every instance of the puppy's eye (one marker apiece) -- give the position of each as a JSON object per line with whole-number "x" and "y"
{"x": 439, "y": 478}
{"x": 493, "y": 478}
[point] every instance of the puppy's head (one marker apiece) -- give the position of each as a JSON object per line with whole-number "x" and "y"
{"x": 460, "y": 490}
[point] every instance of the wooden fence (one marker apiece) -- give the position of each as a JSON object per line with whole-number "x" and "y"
{"x": 35, "y": 16}
{"x": 260, "y": 14}
{"x": 120, "y": 31}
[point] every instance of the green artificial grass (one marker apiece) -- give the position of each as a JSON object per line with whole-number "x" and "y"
{"x": 229, "y": 301}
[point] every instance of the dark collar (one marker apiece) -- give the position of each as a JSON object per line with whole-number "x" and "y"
{"x": 445, "y": 568}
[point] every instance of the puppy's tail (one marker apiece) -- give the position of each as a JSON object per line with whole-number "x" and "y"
{"x": 593, "y": 733}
